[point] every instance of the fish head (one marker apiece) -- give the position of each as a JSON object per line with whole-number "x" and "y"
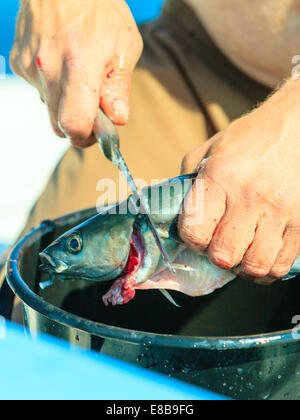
{"x": 96, "y": 250}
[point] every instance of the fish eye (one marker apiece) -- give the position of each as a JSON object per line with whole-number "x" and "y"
{"x": 74, "y": 243}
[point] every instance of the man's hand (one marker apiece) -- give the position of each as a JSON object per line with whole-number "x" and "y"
{"x": 251, "y": 191}
{"x": 78, "y": 54}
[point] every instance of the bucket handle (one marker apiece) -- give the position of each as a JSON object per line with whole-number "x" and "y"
{"x": 7, "y": 298}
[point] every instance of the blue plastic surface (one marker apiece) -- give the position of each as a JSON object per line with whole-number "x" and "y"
{"x": 143, "y": 10}
{"x": 48, "y": 369}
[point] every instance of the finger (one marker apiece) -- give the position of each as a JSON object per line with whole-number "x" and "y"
{"x": 233, "y": 236}
{"x": 191, "y": 160}
{"x": 261, "y": 256}
{"x": 15, "y": 61}
{"x": 203, "y": 208}
{"x": 51, "y": 93}
{"x": 79, "y": 102}
{"x": 49, "y": 69}
{"x": 288, "y": 254}
{"x": 24, "y": 65}
{"x": 265, "y": 281}
{"x": 117, "y": 82}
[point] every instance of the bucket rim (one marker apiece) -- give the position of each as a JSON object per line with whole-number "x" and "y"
{"x": 54, "y": 313}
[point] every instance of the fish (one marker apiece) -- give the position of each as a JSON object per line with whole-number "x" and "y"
{"x": 118, "y": 246}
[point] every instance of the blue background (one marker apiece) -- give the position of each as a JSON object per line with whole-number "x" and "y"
{"x": 143, "y": 10}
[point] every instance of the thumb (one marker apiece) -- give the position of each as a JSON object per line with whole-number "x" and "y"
{"x": 116, "y": 86}
{"x": 191, "y": 161}
{"x": 114, "y": 98}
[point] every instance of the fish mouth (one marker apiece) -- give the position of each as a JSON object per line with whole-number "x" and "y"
{"x": 52, "y": 264}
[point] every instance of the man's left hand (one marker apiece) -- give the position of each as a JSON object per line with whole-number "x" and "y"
{"x": 251, "y": 191}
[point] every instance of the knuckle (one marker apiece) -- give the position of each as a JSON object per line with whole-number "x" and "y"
{"x": 188, "y": 162}
{"x": 259, "y": 192}
{"x": 75, "y": 127}
{"x": 73, "y": 57}
{"x": 280, "y": 270}
{"x": 26, "y": 61}
{"x": 185, "y": 161}
{"x": 194, "y": 235}
{"x": 252, "y": 193}
{"x": 280, "y": 202}
{"x": 120, "y": 84}
{"x": 220, "y": 168}
{"x": 255, "y": 268}
{"x": 222, "y": 259}
{"x": 14, "y": 61}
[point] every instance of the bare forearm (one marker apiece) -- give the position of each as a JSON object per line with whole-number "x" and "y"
{"x": 259, "y": 36}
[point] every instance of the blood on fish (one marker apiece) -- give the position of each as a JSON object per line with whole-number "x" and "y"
{"x": 123, "y": 289}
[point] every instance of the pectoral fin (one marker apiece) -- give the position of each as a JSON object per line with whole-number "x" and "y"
{"x": 169, "y": 297}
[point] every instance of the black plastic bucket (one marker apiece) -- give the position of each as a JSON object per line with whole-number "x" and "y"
{"x": 237, "y": 342}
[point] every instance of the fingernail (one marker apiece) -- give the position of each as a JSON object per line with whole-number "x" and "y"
{"x": 62, "y": 132}
{"x": 223, "y": 262}
{"x": 120, "y": 109}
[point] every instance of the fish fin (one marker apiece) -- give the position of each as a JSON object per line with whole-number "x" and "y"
{"x": 186, "y": 268}
{"x": 169, "y": 297}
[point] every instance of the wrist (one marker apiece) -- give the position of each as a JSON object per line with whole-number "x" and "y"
{"x": 287, "y": 98}
{"x": 283, "y": 107}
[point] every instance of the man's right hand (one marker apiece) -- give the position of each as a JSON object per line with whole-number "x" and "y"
{"x": 78, "y": 54}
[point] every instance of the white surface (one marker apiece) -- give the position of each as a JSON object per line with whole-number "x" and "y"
{"x": 29, "y": 152}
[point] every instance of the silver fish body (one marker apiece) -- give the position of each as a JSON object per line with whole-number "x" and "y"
{"x": 118, "y": 245}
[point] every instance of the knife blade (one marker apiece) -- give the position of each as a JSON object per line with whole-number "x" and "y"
{"x": 109, "y": 142}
